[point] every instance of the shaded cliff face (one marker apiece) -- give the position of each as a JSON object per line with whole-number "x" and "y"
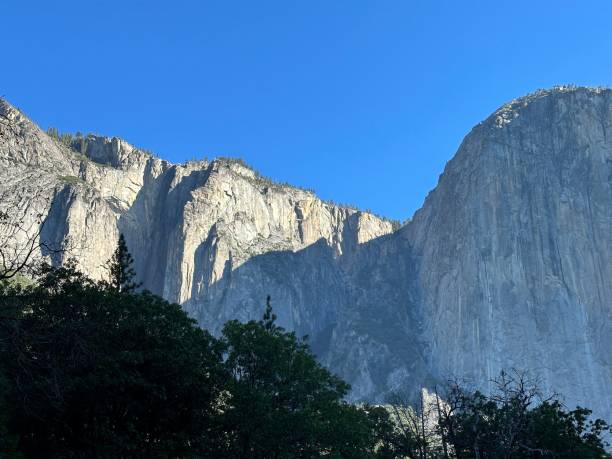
{"x": 213, "y": 236}
{"x": 508, "y": 263}
{"x": 513, "y": 248}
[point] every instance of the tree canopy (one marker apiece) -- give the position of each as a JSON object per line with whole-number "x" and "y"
{"x": 88, "y": 370}
{"x": 97, "y": 369}
{"x": 514, "y": 421}
{"x": 283, "y": 402}
{"x": 120, "y": 268}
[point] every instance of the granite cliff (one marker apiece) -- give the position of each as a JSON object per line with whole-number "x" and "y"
{"x": 507, "y": 264}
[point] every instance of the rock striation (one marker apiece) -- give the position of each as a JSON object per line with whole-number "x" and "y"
{"x": 513, "y": 249}
{"x": 507, "y": 264}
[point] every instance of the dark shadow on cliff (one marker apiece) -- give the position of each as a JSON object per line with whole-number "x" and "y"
{"x": 53, "y": 230}
{"x": 357, "y": 308}
{"x": 356, "y": 304}
{"x": 160, "y": 204}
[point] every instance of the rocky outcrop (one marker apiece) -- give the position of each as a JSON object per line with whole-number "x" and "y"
{"x": 513, "y": 249}
{"x": 508, "y": 263}
{"x": 213, "y": 236}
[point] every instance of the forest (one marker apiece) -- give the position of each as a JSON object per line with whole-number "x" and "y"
{"x": 102, "y": 368}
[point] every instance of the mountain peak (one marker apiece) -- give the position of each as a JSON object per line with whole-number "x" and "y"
{"x": 507, "y": 264}
{"x": 512, "y": 109}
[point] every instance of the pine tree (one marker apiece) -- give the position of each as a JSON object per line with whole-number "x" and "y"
{"x": 120, "y": 268}
{"x": 282, "y": 403}
{"x": 269, "y": 318}
{"x": 53, "y": 132}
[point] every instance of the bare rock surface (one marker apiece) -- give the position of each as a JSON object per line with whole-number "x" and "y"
{"x": 507, "y": 264}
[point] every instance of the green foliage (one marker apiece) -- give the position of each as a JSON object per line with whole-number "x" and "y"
{"x": 395, "y": 224}
{"x": 77, "y": 143}
{"x": 259, "y": 179}
{"x": 98, "y": 373}
{"x": 120, "y": 269}
{"x": 93, "y": 369}
{"x": 80, "y": 144}
{"x": 283, "y": 402}
{"x": 19, "y": 280}
{"x": 53, "y": 132}
{"x": 8, "y": 440}
{"x": 513, "y": 422}
{"x": 566, "y": 434}
{"x": 64, "y": 138}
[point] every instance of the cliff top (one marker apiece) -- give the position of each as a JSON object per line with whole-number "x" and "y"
{"x": 117, "y": 153}
{"x": 510, "y": 110}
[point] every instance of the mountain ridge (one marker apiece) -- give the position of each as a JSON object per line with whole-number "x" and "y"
{"x": 504, "y": 265}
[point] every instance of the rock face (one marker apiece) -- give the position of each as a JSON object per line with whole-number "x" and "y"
{"x": 508, "y": 263}
{"x": 513, "y": 249}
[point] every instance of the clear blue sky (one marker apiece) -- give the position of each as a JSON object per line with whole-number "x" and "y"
{"x": 364, "y": 101}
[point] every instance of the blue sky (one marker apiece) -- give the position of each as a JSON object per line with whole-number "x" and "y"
{"x": 364, "y": 101}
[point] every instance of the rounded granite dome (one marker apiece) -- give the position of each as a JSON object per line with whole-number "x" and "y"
{"x": 561, "y": 97}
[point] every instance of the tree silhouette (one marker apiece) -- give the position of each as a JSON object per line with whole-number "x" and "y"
{"x": 269, "y": 318}
{"x": 120, "y": 268}
{"x": 21, "y": 243}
